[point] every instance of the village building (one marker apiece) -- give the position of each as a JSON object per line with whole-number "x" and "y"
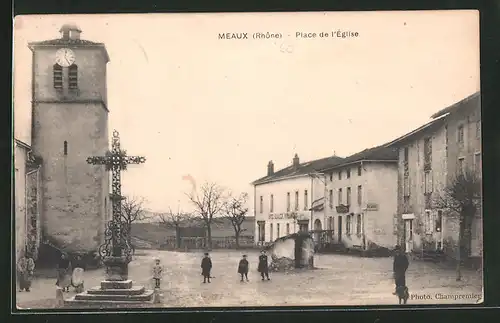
{"x": 26, "y": 198}
{"x": 361, "y": 200}
{"x": 429, "y": 158}
{"x": 283, "y": 199}
{"x": 60, "y": 201}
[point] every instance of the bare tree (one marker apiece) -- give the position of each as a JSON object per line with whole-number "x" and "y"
{"x": 208, "y": 203}
{"x": 461, "y": 198}
{"x": 235, "y": 211}
{"x": 174, "y": 220}
{"x": 132, "y": 211}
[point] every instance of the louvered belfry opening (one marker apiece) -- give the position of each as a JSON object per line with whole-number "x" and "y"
{"x": 58, "y": 76}
{"x": 73, "y": 77}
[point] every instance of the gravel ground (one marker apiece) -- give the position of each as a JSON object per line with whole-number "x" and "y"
{"x": 339, "y": 280}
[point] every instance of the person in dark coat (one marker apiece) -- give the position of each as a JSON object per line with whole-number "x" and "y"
{"x": 64, "y": 272}
{"x": 206, "y": 267}
{"x": 263, "y": 267}
{"x": 400, "y": 265}
{"x": 243, "y": 267}
{"x": 25, "y": 268}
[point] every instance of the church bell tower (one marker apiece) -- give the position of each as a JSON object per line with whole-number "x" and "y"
{"x": 70, "y": 123}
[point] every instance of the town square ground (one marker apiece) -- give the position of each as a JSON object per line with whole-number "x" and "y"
{"x": 339, "y": 280}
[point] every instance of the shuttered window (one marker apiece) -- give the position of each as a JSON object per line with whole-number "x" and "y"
{"x": 73, "y": 76}
{"x": 58, "y": 76}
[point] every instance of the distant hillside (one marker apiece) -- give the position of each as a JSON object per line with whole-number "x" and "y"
{"x": 151, "y": 232}
{"x": 156, "y": 233}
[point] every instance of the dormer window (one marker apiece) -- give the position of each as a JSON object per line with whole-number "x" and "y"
{"x": 57, "y": 72}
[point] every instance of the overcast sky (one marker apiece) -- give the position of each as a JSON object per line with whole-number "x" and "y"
{"x": 219, "y": 110}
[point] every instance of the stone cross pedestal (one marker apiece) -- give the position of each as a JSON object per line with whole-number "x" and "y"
{"x": 112, "y": 294}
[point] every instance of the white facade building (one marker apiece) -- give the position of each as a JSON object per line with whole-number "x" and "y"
{"x": 361, "y": 200}
{"x": 283, "y": 199}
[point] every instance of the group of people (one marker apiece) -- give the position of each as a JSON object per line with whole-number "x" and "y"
{"x": 69, "y": 273}
{"x": 243, "y": 265}
{"x": 206, "y": 268}
{"x": 25, "y": 271}
{"x": 400, "y": 265}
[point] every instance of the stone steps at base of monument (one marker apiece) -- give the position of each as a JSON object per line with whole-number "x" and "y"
{"x": 135, "y": 290}
{"x": 147, "y": 295}
{"x": 116, "y": 284}
{"x": 102, "y": 304}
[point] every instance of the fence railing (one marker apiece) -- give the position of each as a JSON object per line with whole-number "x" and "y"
{"x": 170, "y": 243}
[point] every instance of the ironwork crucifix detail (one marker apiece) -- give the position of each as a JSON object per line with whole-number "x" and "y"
{"x": 116, "y": 242}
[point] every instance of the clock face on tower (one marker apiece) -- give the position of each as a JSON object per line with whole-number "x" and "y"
{"x": 65, "y": 57}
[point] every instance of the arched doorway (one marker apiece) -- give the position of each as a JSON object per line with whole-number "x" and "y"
{"x": 317, "y": 229}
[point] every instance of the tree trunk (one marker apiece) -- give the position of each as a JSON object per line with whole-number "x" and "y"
{"x": 460, "y": 248}
{"x": 467, "y": 236}
{"x": 209, "y": 237}
{"x": 177, "y": 237}
{"x": 237, "y": 238}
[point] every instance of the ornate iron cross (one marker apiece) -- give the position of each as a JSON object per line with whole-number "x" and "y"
{"x": 116, "y": 242}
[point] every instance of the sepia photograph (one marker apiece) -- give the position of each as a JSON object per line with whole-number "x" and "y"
{"x": 205, "y": 160}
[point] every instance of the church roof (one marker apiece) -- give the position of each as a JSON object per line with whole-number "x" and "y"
{"x": 60, "y": 41}
{"x": 69, "y": 42}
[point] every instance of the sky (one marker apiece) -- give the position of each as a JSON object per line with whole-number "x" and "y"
{"x": 220, "y": 109}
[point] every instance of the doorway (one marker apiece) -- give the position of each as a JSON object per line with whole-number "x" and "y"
{"x": 317, "y": 230}
{"x": 304, "y": 226}
{"x": 261, "y": 225}
{"x": 339, "y": 228}
{"x": 408, "y": 235}
{"x": 439, "y": 231}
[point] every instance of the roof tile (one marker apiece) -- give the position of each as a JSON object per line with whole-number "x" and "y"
{"x": 303, "y": 169}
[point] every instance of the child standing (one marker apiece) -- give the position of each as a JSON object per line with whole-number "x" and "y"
{"x": 157, "y": 272}
{"x": 206, "y": 267}
{"x": 243, "y": 267}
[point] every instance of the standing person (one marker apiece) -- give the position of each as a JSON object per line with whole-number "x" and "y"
{"x": 77, "y": 276}
{"x": 206, "y": 267}
{"x": 263, "y": 265}
{"x": 25, "y": 268}
{"x": 64, "y": 272}
{"x": 243, "y": 267}
{"x": 157, "y": 272}
{"x": 399, "y": 267}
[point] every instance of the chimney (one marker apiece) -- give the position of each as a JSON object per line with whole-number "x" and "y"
{"x": 296, "y": 161}
{"x": 270, "y": 168}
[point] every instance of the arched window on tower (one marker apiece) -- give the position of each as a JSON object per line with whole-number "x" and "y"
{"x": 58, "y": 76}
{"x": 73, "y": 76}
{"x": 65, "y": 148}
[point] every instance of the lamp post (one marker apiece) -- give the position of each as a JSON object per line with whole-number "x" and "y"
{"x": 322, "y": 178}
